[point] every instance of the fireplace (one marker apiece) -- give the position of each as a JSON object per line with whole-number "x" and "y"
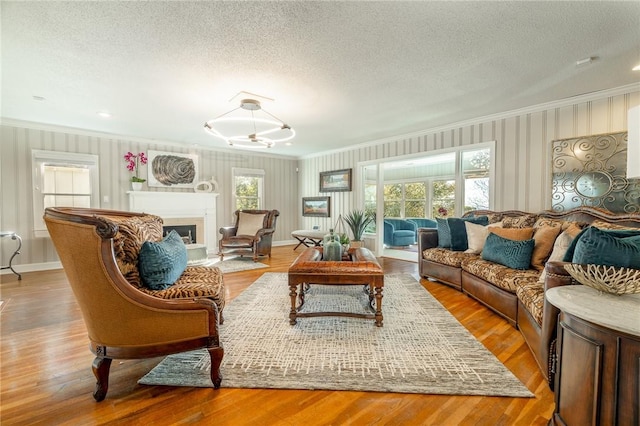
{"x": 186, "y": 232}
{"x": 182, "y": 209}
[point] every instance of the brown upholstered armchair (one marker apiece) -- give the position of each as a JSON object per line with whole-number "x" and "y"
{"x": 251, "y": 234}
{"x": 99, "y": 252}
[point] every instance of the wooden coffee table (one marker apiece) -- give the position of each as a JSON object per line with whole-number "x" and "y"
{"x": 360, "y": 267}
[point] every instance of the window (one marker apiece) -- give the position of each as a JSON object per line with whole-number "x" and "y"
{"x": 248, "y": 187}
{"x": 393, "y": 200}
{"x": 475, "y": 171}
{"x": 407, "y": 199}
{"x": 62, "y": 179}
{"x": 443, "y": 198}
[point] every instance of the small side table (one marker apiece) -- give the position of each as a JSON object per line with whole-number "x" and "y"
{"x": 16, "y": 237}
{"x": 307, "y": 237}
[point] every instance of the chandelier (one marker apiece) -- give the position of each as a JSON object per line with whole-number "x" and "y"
{"x": 249, "y": 126}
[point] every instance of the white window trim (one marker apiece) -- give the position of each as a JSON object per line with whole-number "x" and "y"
{"x": 238, "y": 171}
{"x": 38, "y": 159}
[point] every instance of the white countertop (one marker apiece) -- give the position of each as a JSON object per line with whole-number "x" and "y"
{"x": 621, "y": 313}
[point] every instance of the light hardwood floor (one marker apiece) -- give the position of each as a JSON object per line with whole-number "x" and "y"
{"x": 46, "y": 378}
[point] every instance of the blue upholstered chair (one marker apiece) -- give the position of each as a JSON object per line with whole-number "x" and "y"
{"x": 423, "y": 222}
{"x": 399, "y": 232}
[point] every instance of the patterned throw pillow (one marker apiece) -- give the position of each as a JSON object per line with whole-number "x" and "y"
{"x": 510, "y": 253}
{"x": 607, "y": 247}
{"x": 444, "y": 235}
{"x": 133, "y": 231}
{"x": 524, "y": 221}
{"x": 162, "y": 263}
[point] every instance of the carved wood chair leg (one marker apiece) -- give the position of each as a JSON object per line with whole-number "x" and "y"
{"x": 101, "y": 371}
{"x": 216, "y": 355}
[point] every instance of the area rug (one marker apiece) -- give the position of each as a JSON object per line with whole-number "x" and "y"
{"x": 421, "y": 348}
{"x": 235, "y": 264}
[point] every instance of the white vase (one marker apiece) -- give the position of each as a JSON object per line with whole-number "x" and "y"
{"x": 136, "y": 186}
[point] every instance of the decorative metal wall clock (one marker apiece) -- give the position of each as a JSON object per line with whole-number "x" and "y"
{"x": 591, "y": 171}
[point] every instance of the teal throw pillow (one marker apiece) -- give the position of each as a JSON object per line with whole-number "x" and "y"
{"x": 161, "y": 264}
{"x": 444, "y": 235}
{"x": 458, "y": 231}
{"x": 596, "y": 246}
{"x": 510, "y": 253}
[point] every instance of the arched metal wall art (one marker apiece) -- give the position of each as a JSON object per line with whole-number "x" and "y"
{"x": 591, "y": 171}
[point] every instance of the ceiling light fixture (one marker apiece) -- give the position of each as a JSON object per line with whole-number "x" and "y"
{"x": 636, "y": 68}
{"x": 249, "y": 126}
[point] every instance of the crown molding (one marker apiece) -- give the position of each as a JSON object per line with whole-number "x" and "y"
{"x": 560, "y": 103}
{"x": 32, "y": 125}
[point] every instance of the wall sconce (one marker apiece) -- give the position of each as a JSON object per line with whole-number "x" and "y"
{"x": 633, "y": 143}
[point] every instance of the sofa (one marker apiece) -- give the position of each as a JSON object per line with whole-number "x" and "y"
{"x": 399, "y": 232}
{"x": 515, "y": 293}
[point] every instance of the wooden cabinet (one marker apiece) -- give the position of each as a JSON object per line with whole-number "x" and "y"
{"x": 597, "y": 374}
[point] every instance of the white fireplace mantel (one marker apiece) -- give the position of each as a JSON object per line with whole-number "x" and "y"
{"x": 172, "y": 205}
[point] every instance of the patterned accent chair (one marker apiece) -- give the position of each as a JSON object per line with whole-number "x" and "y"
{"x": 399, "y": 232}
{"x": 252, "y": 234}
{"x": 124, "y": 319}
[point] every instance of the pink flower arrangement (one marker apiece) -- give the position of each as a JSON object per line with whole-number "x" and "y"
{"x": 443, "y": 211}
{"x": 133, "y": 162}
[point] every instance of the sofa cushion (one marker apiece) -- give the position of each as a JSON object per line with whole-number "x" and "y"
{"x": 444, "y": 234}
{"x": 162, "y": 263}
{"x": 510, "y": 253}
{"x": 531, "y": 295}
{"x": 446, "y": 256}
{"x": 560, "y": 247}
{"x": 516, "y": 234}
{"x": 476, "y": 236}
{"x": 458, "y": 230}
{"x": 249, "y": 224}
{"x": 544, "y": 236}
{"x": 606, "y": 247}
{"x": 195, "y": 281}
{"x": 522, "y": 221}
{"x": 133, "y": 231}
{"x": 601, "y": 224}
{"x": 499, "y": 275}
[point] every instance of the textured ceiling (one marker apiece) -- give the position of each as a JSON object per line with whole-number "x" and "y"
{"x": 341, "y": 73}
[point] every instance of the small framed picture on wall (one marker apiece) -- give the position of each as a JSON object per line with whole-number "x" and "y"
{"x": 335, "y": 181}
{"x": 316, "y": 206}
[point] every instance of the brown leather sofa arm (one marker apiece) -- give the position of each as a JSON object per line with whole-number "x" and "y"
{"x": 556, "y": 276}
{"x": 427, "y": 238}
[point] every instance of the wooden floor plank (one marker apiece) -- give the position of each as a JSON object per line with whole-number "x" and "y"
{"x": 45, "y": 371}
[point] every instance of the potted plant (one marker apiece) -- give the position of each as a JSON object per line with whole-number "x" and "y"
{"x": 358, "y": 220}
{"x": 344, "y": 240}
{"x": 133, "y": 162}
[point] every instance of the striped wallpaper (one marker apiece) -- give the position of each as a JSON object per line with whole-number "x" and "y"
{"x": 522, "y": 164}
